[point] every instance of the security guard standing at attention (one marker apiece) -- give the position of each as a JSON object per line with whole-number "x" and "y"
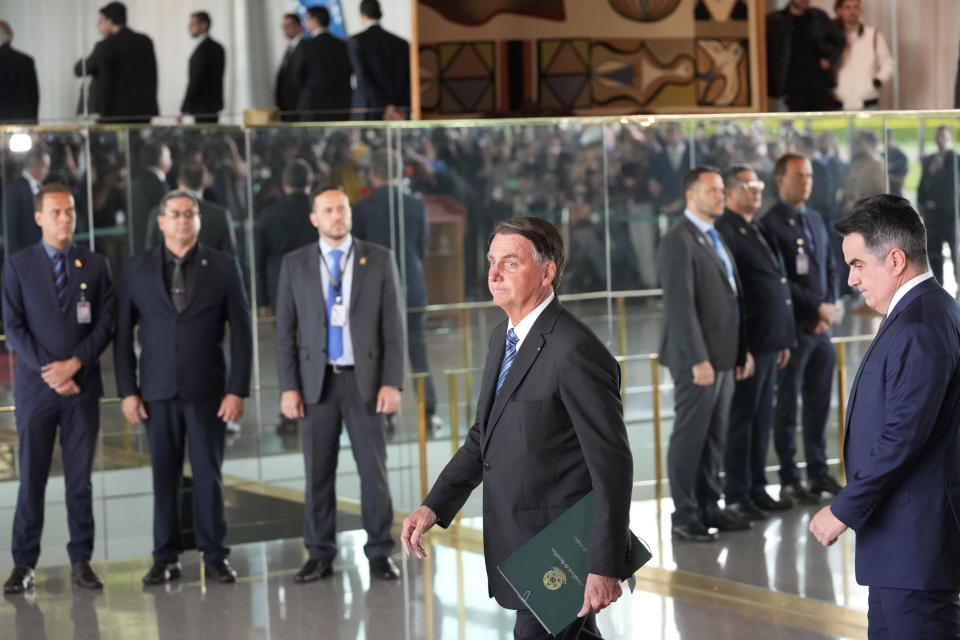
{"x": 58, "y": 312}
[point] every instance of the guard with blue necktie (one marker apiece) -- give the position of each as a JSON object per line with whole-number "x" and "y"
{"x": 340, "y": 297}
{"x": 58, "y": 311}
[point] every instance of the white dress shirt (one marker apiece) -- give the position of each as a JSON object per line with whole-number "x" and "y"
{"x": 905, "y": 288}
{"x": 523, "y": 327}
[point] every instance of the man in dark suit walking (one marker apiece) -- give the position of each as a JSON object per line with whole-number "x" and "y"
{"x": 19, "y": 205}
{"x": 204, "y": 97}
{"x": 902, "y": 432}
{"x": 768, "y": 319}
{"x": 803, "y": 241}
{"x": 381, "y": 61}
{"x": 375, "y": 220}
{"x": 286, "y": 88}
{"x": 549, "y": 429}
{"x": 346, "y": 368}
{"x": 19, "y": 91}
{"x": 124, "y": 67}
{"x": 704, "y": 346}
{"x": 322, "y": 72}
{"x": 181, "y": 295}
{"x": 58, "y": 312}
{"x": 216, "y": 228}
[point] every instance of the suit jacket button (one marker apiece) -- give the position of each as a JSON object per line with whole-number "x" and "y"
{"x": 486, "y": 466}
{"x": 783, "y": 281}
{"x": 789, "y": 302}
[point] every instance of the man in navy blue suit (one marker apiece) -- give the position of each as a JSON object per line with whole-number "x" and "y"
{"x": 58, "y": 311}
{"x": 903, "y": 431}
{"x": 181, "y": 294}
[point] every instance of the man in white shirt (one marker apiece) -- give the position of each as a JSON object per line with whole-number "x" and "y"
{"x": 866, "y": 64}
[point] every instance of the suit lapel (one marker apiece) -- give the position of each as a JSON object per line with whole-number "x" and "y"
{"x": 527, "y": 355}
{"x": 200, "y": 268}
{"x": 706, "y": 245}
{"x": 45, "y": 268}
{"x": 156, "y": 263}
{"x": 76, "y": 267}
{"x": 491, "y": 370}
{"x": 359, "y": 272}
{"x": 310, "y": 266}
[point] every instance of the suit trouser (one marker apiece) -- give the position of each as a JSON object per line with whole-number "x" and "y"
{"x": 908, "y": 614}
{"x": 417, "y": 348}
{"x": 527, "y": 627}
{"x": 172, "y": 425}
{"x": 340, "y": 403}
{"x": 809, "y": 373}
{"x": 79, "y": 420}
{"x": 751, "y": 416}
{"x": 695, "y": 454}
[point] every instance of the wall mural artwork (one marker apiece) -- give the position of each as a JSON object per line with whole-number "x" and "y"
{"x": 601, "y": 56}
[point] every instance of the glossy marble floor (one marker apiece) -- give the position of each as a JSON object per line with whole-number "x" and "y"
{"x": 773, "y": 581}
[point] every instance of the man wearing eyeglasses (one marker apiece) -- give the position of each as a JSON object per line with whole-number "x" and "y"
{"x": 770, "y": 330}
{"x": 181, "y": 294}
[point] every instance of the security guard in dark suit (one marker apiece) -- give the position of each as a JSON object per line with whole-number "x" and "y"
{"x": 768, "y": 315}
{"x": 58, "y": 310}
{"x": 181, "y": 294}
{"x": 803, "y": 240}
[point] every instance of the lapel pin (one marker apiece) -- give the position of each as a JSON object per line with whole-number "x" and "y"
{"x": 743, "y": 231}
{"x": 701, "y": 240}
{"x": 203, "y": 262}
{"x": 363, "y": 260}
{"x": 792, "y": 222}
{"x": 800, "y": 242}
{"x": 77, "y": 263}
{"x": 83, "y": 286}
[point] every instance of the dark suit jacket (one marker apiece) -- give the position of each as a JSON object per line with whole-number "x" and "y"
{"x": 554, "y": 432}
{"x": 146, "y": 193}
{"x": 40, "y": 334}
{"x": 902, "y": 445}
{"x": 287, "y": 88}
{"x": 765, "y": 297}
{"x": 323, "y": 76}
{"x": 281, "y": 228}
{"x": 205, "y": 85}
{"x": 820, "y": 283}
{"x": 381, "y": 61}
{"x": 22, "y": 230}
{"x": 19, "y": 92}
{"x": 125, "y": 68}
{"x": 700, "y": 311}
{"x": 182, "y": 355}
{"x": 216, "y": 230}
{"x": 374, "y": 221}
{"x": 376, "y": 326}
{"x": 935, "y": 193}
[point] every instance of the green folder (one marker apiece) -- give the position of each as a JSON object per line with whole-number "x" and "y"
{"x": 549, "y": 571}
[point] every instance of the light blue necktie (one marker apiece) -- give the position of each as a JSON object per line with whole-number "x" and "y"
{"x": 334, "y": 334}
{"x": 715, "y": 239}
{"x": 508, "y": 356}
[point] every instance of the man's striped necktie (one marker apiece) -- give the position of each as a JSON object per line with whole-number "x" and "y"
{"x": 508, "y": 357}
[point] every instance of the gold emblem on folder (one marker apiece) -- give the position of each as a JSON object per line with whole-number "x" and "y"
{"x": 554, "y": 578}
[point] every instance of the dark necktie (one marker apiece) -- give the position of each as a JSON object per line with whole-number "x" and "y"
{"x": 508, "y": 357}
{"x": 178, "y": 286}
{"x": 334, "y": 334}
{"x": 807, "y": 229}
{"x": 60, "y": 279}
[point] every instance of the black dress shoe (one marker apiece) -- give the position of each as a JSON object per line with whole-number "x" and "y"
{"x": 746, "y": 510}
{"x": 724, "y": 521}
{"x": 20, "y": 580}
{"x": 692, "y": 532}
{"x": 825, "y": 484}
{"x": 798, "y": 493}
{"x": 384, "y": 568}
{"x": 219, "y": 570}
{"x": 82, "y": 575}
{"x": 765, "y": 502}
{"x": 162, "y": 572}
{"x": 313, "y": 570}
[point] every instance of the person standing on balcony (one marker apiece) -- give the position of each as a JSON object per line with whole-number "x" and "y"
{"x": 340, "y": 361}
{"x": 866, "y": 64}
{"x": 58, "y": 315}
{"x": 204, "y": 96}
{"x": 902, "y": 432}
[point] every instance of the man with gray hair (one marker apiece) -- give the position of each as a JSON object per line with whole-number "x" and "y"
{"x": 902, "y": 432}
{"x": 181, "y": 294}
{"x": 19, "y": 92}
